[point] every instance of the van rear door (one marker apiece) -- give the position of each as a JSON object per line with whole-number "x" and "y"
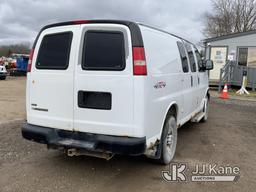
{"x": 50, "y": 85}
{"x": 103, "y": 96}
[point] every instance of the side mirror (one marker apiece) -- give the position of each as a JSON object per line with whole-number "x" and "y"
{"x": 205, "y": 65}
{"x": 208, "y": 65}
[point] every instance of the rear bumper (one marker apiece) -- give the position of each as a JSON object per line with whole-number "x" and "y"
{"x": 58, "y": 138}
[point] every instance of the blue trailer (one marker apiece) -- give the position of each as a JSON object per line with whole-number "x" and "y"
{"x": 21, "y": 66}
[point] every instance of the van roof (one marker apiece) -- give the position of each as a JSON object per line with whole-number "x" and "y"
{"x": 133, "y": 26}
{"x": 161, "y": 30}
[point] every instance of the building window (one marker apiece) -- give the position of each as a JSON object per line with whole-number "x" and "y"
{"x": 247, "y": 56}
{"x": 251, "y": 57}
{"x": 242, "y": 56}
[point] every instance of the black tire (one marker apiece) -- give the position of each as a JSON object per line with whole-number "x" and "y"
{"x": 3, "y": 78}
{"x": 168, "y": 140}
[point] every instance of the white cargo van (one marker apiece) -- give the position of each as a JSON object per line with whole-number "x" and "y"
{"x": 105, "y": 87}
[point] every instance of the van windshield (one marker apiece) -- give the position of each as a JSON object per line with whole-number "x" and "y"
{"x": 54, "y": 51}
{"x": 103, "y": 50}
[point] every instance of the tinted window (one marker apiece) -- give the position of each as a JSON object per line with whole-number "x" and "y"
{"x": 183, "y": 56}
{"x": 198, "y": 55}
{"x": 191, "y": 58}
{"x": 103, "y": 51}
{"x": 54, "y": 51}
{"x": 243, "y": 56}
{"x": 198, "y": 58}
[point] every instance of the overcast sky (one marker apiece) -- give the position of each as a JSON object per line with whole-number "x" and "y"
{"x": 20, "y": 20}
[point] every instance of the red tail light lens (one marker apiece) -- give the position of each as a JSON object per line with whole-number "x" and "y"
{"x": 81, "y": 22}
{"x": 139, "y": 61}
{"x": 30, "y": 60}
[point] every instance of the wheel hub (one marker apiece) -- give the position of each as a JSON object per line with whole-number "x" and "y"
{"x": 169, "y": 140}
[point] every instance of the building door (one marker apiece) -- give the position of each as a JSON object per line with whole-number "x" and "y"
{"x": 219, "y": 57}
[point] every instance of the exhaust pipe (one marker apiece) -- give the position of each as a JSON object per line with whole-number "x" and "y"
{"x": 78, "y": 152}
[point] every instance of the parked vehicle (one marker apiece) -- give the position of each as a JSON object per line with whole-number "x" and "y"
{"x": 3, "y": 72}
{"x": 21, "y": 66}
{"x": 107, "y": 87}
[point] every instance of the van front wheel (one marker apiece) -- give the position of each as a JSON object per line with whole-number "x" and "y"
{"x": 168, "y": 140}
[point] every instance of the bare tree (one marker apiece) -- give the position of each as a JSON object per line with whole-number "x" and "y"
{"x": 7, "y": 50}
{"x": 230, "y": 16}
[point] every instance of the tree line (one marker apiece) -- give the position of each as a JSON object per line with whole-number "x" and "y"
{"x": 230, "y": 16}
{"x": 7, "y": 50}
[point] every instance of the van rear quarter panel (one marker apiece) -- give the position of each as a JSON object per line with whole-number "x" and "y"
{"x": 164, "y": 67}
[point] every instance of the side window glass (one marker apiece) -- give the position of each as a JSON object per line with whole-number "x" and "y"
{"x": 183, "y": 56}
{"x": 198, "y": 58}
{"x": 191, "y": 57}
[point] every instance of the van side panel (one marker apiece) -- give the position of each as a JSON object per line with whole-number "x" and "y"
{"x": 163, "y": 85}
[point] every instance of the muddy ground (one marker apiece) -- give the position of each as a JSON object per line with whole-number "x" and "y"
{"x": 227, "y": 138}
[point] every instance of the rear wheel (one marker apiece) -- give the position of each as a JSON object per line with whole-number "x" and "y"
{"x": 3, "y": 78}
{"x": 168, "y": 140}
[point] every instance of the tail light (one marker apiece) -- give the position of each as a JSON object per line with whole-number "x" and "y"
{"x": 139, "y": 61}
{"x": 30, "y": 60}
{"x": 80, "y": 22}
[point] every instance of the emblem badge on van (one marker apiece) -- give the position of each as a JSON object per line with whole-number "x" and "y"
{"x": 160, "y": 84}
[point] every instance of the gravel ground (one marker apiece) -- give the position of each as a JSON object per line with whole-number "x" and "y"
{"x": 227, "y": 138}
{"x": 12, "y": 98}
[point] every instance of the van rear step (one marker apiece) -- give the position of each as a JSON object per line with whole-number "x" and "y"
{"x": 198, "y": 117}
{"x": 57, "y": 138}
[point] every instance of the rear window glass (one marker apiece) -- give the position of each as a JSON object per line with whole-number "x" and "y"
{"x": 103, "y": 50}
{"x": 54, "y": 51}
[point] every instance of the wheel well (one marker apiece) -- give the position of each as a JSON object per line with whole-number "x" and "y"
{"x": 173, "y": 110}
